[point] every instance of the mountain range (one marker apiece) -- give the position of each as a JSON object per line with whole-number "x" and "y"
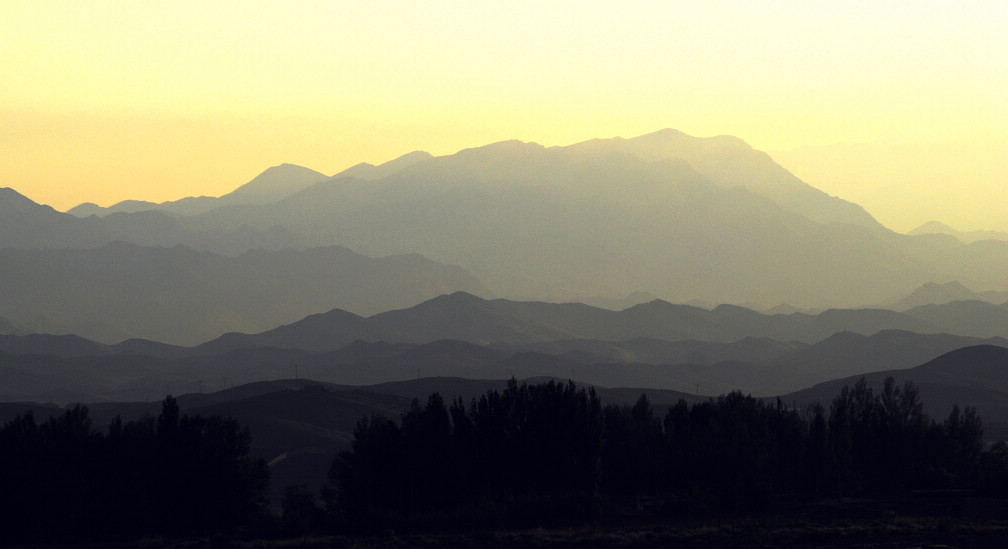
{"x": 656, "y": 345}
{"x": 276, "y": 183}
{"x": 666, "y": 264}
{"x": 936, "y": 227}
{"x": 677, "y": 217}
{"x": 466, "y": 317}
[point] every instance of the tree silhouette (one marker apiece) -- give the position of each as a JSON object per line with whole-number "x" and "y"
{"x": 64, "y": 481}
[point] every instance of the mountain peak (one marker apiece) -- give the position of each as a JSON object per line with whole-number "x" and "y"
{"x": 932, "y": 293}
{"x": 509, "y": 147}
{"x": 934, "y": 227}
{"x": 13, "y": 202}
{"x": 274, "y": 184}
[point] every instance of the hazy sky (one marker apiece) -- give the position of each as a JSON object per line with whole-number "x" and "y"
{"x": 103, "y": 101}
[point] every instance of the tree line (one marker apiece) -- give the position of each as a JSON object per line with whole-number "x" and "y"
{"x": 173, "y": 475}
{"x": 538, "y": 454}
{"x": 534, "y": 454}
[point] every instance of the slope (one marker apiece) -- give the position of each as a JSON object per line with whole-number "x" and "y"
{"x": 182, "y": 296}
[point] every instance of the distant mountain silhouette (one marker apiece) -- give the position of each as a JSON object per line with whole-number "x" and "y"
{"x": 272, "y": 185}
{"x": 611, "y": 217}
{"x": 371, "y": 172}
{"x": 682, "y": 218}
{"x": 650, "y": 350}
{"x": 939, "y": 294}
{"x": 66, "y": 369}
{"x": 972, "y": 317}
{"x": 27, "y": 225}
{"x": 530, "y": 324}
{"x": 730, "y": 162}
{"x": 56, "y": 345}
{"x": 935, "y": 227}
{"x": 181, "y": 296}
{"x": 619, "y": 303}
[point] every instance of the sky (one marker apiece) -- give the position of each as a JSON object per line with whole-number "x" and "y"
{"x": 106, "y": 101}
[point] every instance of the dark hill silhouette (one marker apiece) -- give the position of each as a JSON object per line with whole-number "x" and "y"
{"x": 759, "y": 366}
{"x": 974, "y": 376}
{"x": 315, "y": 333}
{"x": 980, "y": 367}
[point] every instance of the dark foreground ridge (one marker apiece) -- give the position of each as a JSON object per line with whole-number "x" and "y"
{"x": 552, "y": 455}
{"x": 536, "y": 465}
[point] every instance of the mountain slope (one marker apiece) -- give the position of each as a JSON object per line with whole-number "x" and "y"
{"x": 371, "y": 172}
{"x": 730, "y": 162}
{"x": 679, "y": 217}
{"x": 682, "y": 218}
{"x": 27, "y": 225}
{"x": 274, "y": 184}
{"x": 178, "y": 295}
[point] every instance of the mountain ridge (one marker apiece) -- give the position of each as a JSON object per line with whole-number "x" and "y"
{"x": 185, "y": 296}
{"x": 273, "y": 184}
{"x": 562, "y": 223}
{"x": 465, "y": 317}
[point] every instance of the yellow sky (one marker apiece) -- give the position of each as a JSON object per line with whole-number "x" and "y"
{"x": 103, "y": 101}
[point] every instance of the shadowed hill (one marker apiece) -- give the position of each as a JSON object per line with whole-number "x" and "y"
{"x": 972, "y": 376}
